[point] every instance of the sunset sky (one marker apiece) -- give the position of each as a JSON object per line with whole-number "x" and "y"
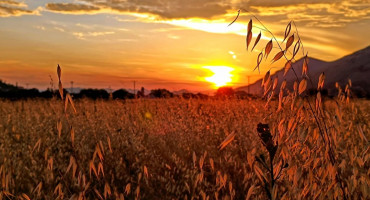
{"x": 173, "y": 44}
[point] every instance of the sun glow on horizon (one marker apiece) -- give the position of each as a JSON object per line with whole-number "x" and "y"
{"x": 221, "y": 75}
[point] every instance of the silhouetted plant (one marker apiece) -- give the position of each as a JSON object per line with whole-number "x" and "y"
{"x": 300, "y": 92}
{"x": 264, "y": 134}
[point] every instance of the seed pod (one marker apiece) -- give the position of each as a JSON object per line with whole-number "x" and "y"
{"x": 278, "y": 56}
{"x": 275, "y": 83}
{"x": 249, "y": 38}
{"x": 296, "y": 48}
{"x": 59, "y": 72}
{"x": 259, "y": 60}
{"x": 302, "y": 86}
{"x": 289, "y": 42}
{"x": 250, "y": 24}
{"x": 305, "y": 65}
{"x": 320, "y": 84}
{"x": 268, "y": 48}
{"x": 295, "y": 86}
{"x": 287, "y": 66}
{"x": 257, "y": 40}
{"x": 287, "y": 30}
{"x": 283, "y": 85}
{"x": 265, "y": 78}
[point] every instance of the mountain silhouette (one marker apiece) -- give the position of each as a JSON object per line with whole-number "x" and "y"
{"x": 355, "y": 66}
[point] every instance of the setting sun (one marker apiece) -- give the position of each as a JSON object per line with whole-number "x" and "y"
{"x": 221, "y": 75}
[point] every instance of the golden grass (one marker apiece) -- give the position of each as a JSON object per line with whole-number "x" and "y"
{"x": 118, "y": 152}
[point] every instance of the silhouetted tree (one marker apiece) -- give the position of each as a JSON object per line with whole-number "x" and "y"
{"x": 94, "y": 93}
{"x": 20, "y": 93}
{"x": 122, "y": 94}
{"x": 160, "y": 93}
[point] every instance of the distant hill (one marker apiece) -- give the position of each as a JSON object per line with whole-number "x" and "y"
{"x": 179, "y": 92}
{"x": 355, "y": 66}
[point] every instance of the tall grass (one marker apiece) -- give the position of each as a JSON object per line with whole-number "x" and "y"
{"x": 177, "y": 144}
{"x": 285, "y": 97}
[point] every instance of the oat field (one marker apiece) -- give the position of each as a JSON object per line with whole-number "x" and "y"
{"x": 176, "y": 149}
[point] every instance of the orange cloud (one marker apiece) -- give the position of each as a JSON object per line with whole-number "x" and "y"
{"x": 325, "y": 13}
{"x": 13, "y": 8}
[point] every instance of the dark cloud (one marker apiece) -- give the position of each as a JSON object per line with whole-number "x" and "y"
{"x": 14, "y": 8}
{"x": 71, "y": 7}
{"x": 10, "y": 2}
{"x": 324, "y": 13}
{"x": 162, "y": 8}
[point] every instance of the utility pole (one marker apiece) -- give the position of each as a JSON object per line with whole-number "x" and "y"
{"x": 71, "y": 86}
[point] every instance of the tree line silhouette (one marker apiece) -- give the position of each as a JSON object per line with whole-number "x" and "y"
{"x": 9, "y": 91}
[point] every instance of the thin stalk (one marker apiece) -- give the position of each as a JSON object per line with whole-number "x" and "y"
{"x": 331, "y": 154}
{"x": 272, "y": 173}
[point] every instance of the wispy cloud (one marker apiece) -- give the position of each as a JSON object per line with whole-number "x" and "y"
{"x": 59, "y": 29}
{"x": 81, "y": 31}
{"x": 40, "y": 27}
{"x": 84, "y": 35}
{"x": 10, "y": 8}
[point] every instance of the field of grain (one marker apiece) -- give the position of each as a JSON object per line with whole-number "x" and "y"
{"x": 170, "y": 149}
